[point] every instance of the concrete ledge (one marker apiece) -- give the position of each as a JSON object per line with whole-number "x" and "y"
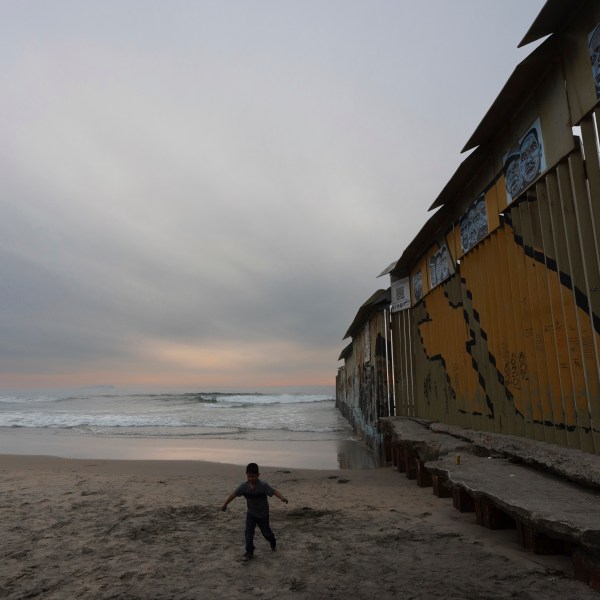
{"x": 549, "y": 494}
{"x": 569, "y": 463}
{"x": 543, "y": 502}
{"x": 416, "y": 435}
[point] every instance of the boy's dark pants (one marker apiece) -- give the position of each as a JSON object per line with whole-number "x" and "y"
{"x": 263, "y": 525}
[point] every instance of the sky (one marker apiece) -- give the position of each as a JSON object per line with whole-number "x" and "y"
{"x": 201, "y": 193}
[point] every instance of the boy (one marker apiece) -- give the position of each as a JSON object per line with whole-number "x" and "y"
{"x": 255, "y": 491}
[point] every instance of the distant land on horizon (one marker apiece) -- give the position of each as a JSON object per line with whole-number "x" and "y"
{"x": 99, "y": 387}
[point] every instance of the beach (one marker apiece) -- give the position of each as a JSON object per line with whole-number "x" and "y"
{"x": 86, "y": 528}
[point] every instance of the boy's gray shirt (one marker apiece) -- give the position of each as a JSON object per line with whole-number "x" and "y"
{"x": 256, "y": 499}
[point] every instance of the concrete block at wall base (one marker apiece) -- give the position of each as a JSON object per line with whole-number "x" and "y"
{"x": 394, "y": 453}
{"x": 586, "y": 568}
{"x": 462, "y": 500}
{"x": 400, "y": 459}
{"x": 387, "y": 449}
{"x": 440, "y": 486}
{"x": 537, "y": 542}
{"x": 410, "y": 463}
{"x": 490, "y": 516}
{"x": 424, "y": 478}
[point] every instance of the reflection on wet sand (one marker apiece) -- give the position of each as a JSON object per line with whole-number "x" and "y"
{"x": 355, "y": 455}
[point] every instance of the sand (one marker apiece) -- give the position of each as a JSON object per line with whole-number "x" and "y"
{"x": 154, "y": 529}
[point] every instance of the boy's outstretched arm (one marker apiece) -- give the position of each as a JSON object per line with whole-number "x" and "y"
{"x": 280, "y": 496}
{"x": 231, "y": 497}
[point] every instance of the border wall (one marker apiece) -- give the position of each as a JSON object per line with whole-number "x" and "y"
{"x": 495, "y": 321}
{"x": 363, "y": 389}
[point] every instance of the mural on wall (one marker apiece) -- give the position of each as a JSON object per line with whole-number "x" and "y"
{"x": 594, "y": 50}
{"x": 439, "y": 266}
{"x": 473, "y": 224}
{"x": 524, "y": 162}
{"x": 418, "y": 285}
{"x": 400, "y": 290}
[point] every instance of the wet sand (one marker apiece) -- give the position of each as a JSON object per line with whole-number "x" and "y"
{"x": 154, "y": 529}
{"x": 274, "y": 450}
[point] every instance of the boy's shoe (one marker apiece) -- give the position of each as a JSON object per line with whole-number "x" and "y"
{"x": 273, "y": 546}
{"x": 248, "y": 556}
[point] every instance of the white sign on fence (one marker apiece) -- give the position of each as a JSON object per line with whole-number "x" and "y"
{"x": 400, "y": 294}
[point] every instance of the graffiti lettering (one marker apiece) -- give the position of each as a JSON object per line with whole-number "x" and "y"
{"x": 515, "y": 370}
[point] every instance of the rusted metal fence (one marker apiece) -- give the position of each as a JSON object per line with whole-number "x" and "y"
{"x": 504, "y": 336}
{"x": 498, "y": 322}
{"x": 363, "y": 390}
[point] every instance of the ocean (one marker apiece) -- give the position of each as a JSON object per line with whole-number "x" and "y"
{"x": 293, "y": 427}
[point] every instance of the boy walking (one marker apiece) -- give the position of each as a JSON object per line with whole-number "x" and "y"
{"x": 255, "y": 491}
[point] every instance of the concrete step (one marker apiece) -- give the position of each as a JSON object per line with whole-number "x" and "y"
{"x": 549, "y": 495}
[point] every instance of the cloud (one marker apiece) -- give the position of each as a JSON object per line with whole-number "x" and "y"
{"x": 208, "y": 190}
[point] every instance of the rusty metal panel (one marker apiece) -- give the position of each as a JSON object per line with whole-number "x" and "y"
{"x": 404, "y": 377}
{"x": 518, "y": 89}
{"x": 546, "y": 192}
{"x": 546, "y": 346}
{"x": 589, "y": 134}
{"x": 508, "y": 340}
{"x": 501, "y": 400}
{"x": 509, "y": 343}
{"x": 406, "y": 366}
{"x": 453, "y": 243}
{"x": 481, "y": 332}
{"x": 568, "y": 346}
{"x": 536, "y": 348}
{"x": 422, "y": 405}
{"x": 573, "y": 298}
{"x": 548, "y": 106}
{"x": 492, "y": 201}
{"x": 529, "y": 315}
{"x": 587, "y": 279}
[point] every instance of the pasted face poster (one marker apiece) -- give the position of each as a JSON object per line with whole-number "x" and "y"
{"x": 400, "y": 290}
{"x": 594, "y": 50}
{"x": 439, "y": 266}
{"x": 524, "y": 162}
{"x": 473, "y": 224}
{"x": 418, "y": 285}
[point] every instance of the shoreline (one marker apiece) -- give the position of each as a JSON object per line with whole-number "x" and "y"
{"x": 308, "y": 454}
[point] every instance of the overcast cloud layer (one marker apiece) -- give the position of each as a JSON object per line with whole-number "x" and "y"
{"x": 202, "y": 193}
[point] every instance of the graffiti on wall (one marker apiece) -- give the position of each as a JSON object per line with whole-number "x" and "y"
{"x": 418, "y": 285}
{"x": 473, "y": 224}
{"x": 439, "y": 266}
{"x": 524, "y": 162}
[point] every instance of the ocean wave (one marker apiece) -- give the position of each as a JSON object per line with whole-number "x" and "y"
{"x": 174, "y": 414}
{"x": 27, "y": 399}
{"x": 226, "y": 398}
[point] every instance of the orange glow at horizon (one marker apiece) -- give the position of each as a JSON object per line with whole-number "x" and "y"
{"x": 275, "y": 364}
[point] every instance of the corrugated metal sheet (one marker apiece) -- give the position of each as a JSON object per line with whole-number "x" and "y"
{"x": 552, "y": 18}
{"x": 346, "y": 352}
{"x": 511, "y": 342}
{"x": 523, "y": 79}
{"x": 388, "y": 269}
{"x": 432, "y": 229}
{"x": 378, "y": 300}
{"x": 462, "y": 177}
